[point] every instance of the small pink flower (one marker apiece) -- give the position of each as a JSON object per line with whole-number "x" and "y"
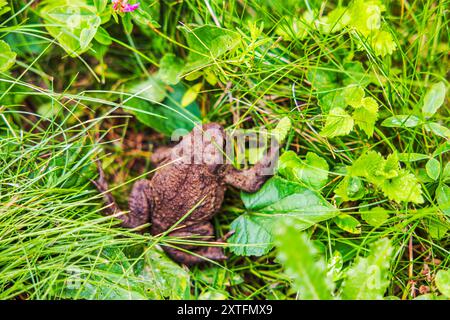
{"x": 124, "y": 6}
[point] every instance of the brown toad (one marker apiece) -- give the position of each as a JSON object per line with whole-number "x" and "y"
{"x": 187, "y": 190}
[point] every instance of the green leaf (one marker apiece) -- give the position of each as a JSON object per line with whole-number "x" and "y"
{"x": 350, "y": 189}
{"x": 397, "y": 184}
{"x": 433, "y": 168}
{"x": 443, "y": 198}
{"x": 405, "y": 187}
{"x": 437, "y": 228}
{"x": 4, "y": 7}
{"x": 375, "y": 217}
{"x": 338, "y": 123}
{"x": 412, "y": 157}
{"x": 446, "y": 173}
{"x": 408, "y": 121}
{"x": 313, "y": 172}
{"x": 114, "y": 278}
{"x": 161, "y": 110}
{"x": 437, "y": 129}
{"x": 442, "y": 281}
{"x": 191, "y": 94}
{"x": 7, "y": 57}
{"x": 353, "y": 96}
{"x": 73, "y": 25}
{"x": 100, "y": 5}
{"x": 348, "y": 223}
{"x": 170, "y": 69}
{"x": 366, "y": 115}
{"x": 331, "y": 100}
{"x": 282, "y": 129}
{"x": 277, "y": 200}
{"x": 434, "y": 99}
{"x": 299, "y": 257}
{"x": 334, "y": 266}
{"x": 163, "y": 278}
{"x": 103, "y": 37}
{"x": 367, "y": 278}
{"x": 207, "y": 43}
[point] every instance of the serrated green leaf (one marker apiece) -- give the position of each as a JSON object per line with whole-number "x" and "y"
{"x": 406, "y": 121}
{"x": 434, "y": 99}
{"x": 298, "y": 255}
{"x": 353, "y": 96}
{"x": 7, "y": 57}
{"x": 375, "y": 216}
{"x": 403, "y": 188}
{"x": 437, "y": 229}
{"x": 338, "y": 123}
{"x": 442, "y": 281}
{"x": 348, "y": 223}
{"x": 277, "y": 200}
{"x": 366, "y": 115}
{"x": 433, "y": 168}
{"x": 367, "y": 278}
{"x": 313, "y": 172}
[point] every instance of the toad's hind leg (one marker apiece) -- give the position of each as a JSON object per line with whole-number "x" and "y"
{"x": 140, "y": 202}
{"x": 197, "y": 254}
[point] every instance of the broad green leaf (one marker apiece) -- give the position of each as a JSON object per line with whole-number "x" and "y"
{"x": 443, "y": 198}
{"x": 350, "y": 189}
{"x": 442, "y": 281}
{"x": 433, "y": 168}
{"x": 348, "y": 223}
{"x": 73, "y": 24}
{"x": 312, "y": 172}
{"x": 375, "y": 216}
{"x": 207, "y": 43}
{"x": 277, "y": 200}
{"x": 408, "y": 121}
{"x": 322, "y": 80}
{"x": 159, "y": 109}
{"x": 170, "y": 69}
{"x": 338, "y": 123}
{"x": 282, "y": 129}
{"x": 412, "y": 157}
{"x": 7, "y": 57}
{"x": 353, "y": 96}
{"x": 299, "y": 257}
{"x": 367, "y": 278}
{"x": 113, "y": 277}
{"x": 163, "y": 278}
{"x": 434, "y": 99}
{"x": 437, "y": 129}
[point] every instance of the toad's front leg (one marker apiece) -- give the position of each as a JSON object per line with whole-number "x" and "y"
{"x": 252, "y": 179}
{"x": 140, "y": 202}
